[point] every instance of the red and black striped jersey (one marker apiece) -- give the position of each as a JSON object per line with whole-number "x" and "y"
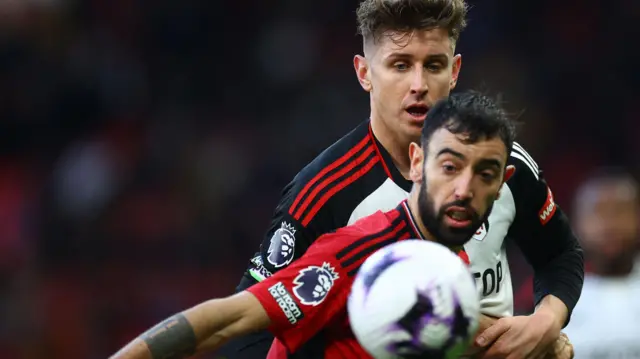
{"x": 356, "y": 177}
{"x": 300, "y": 305}
{"x": 331, "y": 192}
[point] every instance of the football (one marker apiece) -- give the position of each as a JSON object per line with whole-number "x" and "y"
{"x": 414, "y": 299}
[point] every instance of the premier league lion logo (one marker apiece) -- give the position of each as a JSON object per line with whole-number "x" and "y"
{"x": 282, "y": 246}
{"x": 314, "y": 283}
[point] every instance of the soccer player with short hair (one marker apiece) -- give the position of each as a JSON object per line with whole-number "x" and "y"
{"x": 458, "y": 171}
{"x": 408, "y": 63}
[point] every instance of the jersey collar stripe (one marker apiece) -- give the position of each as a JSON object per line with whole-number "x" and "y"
{"x": 412, "y": 221}
{"x": 387, "y": 164}
{"x": 375, "y": 145}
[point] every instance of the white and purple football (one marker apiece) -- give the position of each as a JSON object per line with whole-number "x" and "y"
{"x": 414, "y": 299}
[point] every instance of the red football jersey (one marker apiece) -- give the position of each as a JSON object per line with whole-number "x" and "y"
{"x": 310, "y": 295}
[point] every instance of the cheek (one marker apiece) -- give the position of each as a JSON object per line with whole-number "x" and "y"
{"x": 439, "y": 84}
{"x": 388, "y": 91}
{"x": 483, "y": 197}
{"x": 440, "y": 190}
{"x": 390, "y": 81}
{"x": 489, "y": 199}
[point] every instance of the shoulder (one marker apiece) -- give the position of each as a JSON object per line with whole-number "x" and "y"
{"x": 358, "y": 240}
{"x": 353, "y": 148}
{"x": 372, "y": 224}
{"x": 526, "y": 166}
{"x": 529, "y": 189}
{"x": 347, "y": 164}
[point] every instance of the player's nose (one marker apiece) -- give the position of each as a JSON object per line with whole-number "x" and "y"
{"x": 464, "y": 186}
{"x": 419, "y": 81}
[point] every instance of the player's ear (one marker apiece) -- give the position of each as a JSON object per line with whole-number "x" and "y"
{"x": 416, "y": 156}
{"x": 455, "y": 71}
{"x": 362, "y": 71}
{"x": 508, "y": 172}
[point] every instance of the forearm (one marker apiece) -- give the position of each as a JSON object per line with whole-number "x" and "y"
{"x": 560, "y": 279}
{"x": 202, "y": 328}
{"x": 557, "y": 260}
{"x": 552, "y": 306}
{"x": 174, "y": 335}
{"x": 173, "y": 338}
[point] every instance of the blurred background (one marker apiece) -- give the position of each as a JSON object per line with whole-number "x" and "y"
{"x": 144, "y": 144}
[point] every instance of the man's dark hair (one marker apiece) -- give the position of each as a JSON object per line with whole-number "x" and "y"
{"x": 376, "y": 17}
{"x": 471, "y": 114}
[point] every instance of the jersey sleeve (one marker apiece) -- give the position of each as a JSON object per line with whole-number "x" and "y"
{"x": 543, "y": 233}
{"x": 304, "y": 297}
{"x": 297, "y": 222}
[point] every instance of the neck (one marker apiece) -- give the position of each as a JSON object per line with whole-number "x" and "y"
{"x": 412, "y": 202}
{"x": 397, "y": 148}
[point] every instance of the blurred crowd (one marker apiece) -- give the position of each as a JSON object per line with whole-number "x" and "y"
{"x": 144, "y": 144}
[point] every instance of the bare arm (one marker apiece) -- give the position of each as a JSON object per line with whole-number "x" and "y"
{"x": 200, "y": 329}
{"x": 555, "y": 307}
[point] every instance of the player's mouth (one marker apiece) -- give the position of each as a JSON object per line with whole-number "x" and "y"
{"x": 458, "y": 217}
{"x": 418, "y": 112}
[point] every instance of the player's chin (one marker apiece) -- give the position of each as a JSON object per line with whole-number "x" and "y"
{"x": 412, "y": 125}
{"x": 411, "y": 132}
{"x": 453, "y": 237}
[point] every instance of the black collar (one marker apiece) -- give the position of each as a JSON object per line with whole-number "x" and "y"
{"x": 389, "y": 166}
{"x": 405, "y": 211}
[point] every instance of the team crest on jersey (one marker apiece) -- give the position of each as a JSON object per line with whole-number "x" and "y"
{"x": 481, "y": 233}
{"x": 258, "y": 271}
{"x": 282, "y": 246}
{"x": 314, "y": 283}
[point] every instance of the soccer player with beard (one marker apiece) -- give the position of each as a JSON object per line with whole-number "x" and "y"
{"x": 458, "y": 171}
{"x": 408, "y": 63}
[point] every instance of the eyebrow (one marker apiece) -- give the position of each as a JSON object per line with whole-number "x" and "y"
{"x": 449, "y": 151}
{"x": 489, "y": 162}
{"x": 483, "y": 163}
{"x": 442, "y": 57}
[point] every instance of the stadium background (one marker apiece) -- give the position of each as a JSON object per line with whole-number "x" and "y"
{"x": 144, "y": 144}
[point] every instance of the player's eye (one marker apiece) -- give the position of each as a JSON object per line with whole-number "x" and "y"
{"x": 401, "y": 66}
{"x": 449, "y": 168}
{"x": 434, "y": 67}
{"x": 488, "y": 176}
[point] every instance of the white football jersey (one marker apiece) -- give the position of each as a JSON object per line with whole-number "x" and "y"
{"x": 606, "y": 321}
